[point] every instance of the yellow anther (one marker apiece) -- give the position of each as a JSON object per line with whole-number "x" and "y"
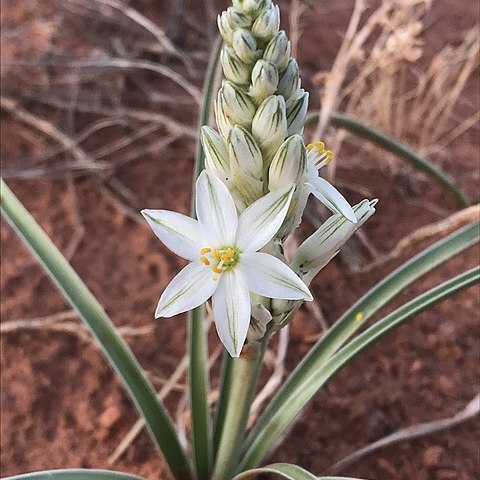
{"x": 217, "y": 270}
{"x": 230, "y": 252}
{"x": 215, "y": 278}
{"x": 203, "y": 251}
{"x": 329, "y": 155}
{"x": 216, "y": 253}
{"x": 205, "y": 260}
{"x": 359, "y": 316}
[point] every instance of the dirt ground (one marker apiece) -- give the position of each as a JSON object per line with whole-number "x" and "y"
{"x": 61, "y": 405}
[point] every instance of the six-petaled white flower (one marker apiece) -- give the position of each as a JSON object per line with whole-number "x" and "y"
{"x": 225, "y": 262}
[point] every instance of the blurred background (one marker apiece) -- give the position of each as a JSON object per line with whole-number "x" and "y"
{"x": 99, "y": 105}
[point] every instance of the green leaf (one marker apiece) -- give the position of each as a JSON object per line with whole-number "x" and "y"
{"x": 285, "y": 470}
{"x": 114, "y": 348}
{"x": 296, "y": 391}
{"x": 197, "y": 336}
{"x": 74, "y": 475}
{"x": 391, "y": 145}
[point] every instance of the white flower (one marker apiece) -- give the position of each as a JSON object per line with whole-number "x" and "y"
{"x": 318, "y": 157}
{"x": 225, "y": 264}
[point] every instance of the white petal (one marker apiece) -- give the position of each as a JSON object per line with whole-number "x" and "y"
{"x": 270, "y": 277}
{"x": 191, "y": 287}
{"x": 216, "y": 211}
{"x": 231, "y": 311}
{"x": 261, "y": 220}
{"x": 181, "y": 234}
{"x": 331, "y": 197}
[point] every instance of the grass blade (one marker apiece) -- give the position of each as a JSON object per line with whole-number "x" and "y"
{"x": 197, "y": 336}
{"x": 276, "y": 412}
{"x": 114, "y": 348}
{"x": 394, "y": 146}
{"x": 74, "y": 475}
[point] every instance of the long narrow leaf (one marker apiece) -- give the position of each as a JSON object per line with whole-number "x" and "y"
{"x": 390, "y": 144}
{"x": 115, "y": 350}
{"x": 72, "y": 474}
{"x": 197, "y": 336}
{"x": 276, "y": 412}
{"x": 284, "y": 470}
{"x": 288, "y": 471}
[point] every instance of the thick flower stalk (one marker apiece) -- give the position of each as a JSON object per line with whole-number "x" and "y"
{"x": 259, "y": 175}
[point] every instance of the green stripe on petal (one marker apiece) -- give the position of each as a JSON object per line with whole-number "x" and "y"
{"x": 181, "y": 234}
{"x": 191, "y": 287}
{"x": 260, "y": 221}
{"x": 231, "y": 311}
{"x": 331, "y": 197}
{"x": 270, "y": 277}
{"x": 216, "y": 210}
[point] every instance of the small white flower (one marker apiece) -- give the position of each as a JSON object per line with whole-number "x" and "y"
{"x": 318, "y": 157}
{"x": 225, "y": 262}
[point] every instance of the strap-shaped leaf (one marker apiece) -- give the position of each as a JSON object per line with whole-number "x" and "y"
{"x": 306, "y": 380}
{"x": 284, "y": 470}
{"x": 113, "y": 347}
{"x": 288, "y": 471}
{"x": 74, "y": 475}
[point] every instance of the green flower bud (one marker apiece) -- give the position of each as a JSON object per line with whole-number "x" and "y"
{"x": 269, "y": 126}
{"x": 297, "y": 107}
{"x": 288, "y": 164}
{"x": 216, "y": 155}
{"x": 290, "y": 80}
{"x": 244, "y": 153}
{"x": 264, "y": 81}
{"x": 267, "y": 24}
{"x": 230, "y": 20}
{"x": 233, "y": 68}
{"x": 318, "y": 249}
{"x": 278, "y": 51}
{"x": 236, "y": 105}
{"x": 252, "y": 7}
{"x": 245, "y": 45}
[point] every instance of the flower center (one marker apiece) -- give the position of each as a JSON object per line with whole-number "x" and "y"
{"x": 317, "y": 154}
{"x": 219, "y": 259}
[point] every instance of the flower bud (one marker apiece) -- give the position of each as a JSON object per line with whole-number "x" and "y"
{"x": 230, "y": 20}
{"x": 267, "y": 24}
{"x": 252, "y": 7}
{"x": 297, "y": 107}
{"x": 288, "y": 164}
{"x": 269, "y": 126}
{"x": 233, "y": 68}
{"x": 223, "y": 124}
{"x": 318, "y": 249}
{"x": 245, "y": 45}
{"x": 278, "y": 51}
{"x": 236, "y": 105}
{"x": 216, "y": 156}
{"x": 290, "y": 80}
{"x": 244, "y": 153}
{"x": 264, "y": 81}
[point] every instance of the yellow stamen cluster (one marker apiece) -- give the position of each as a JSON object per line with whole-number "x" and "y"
{"x": 319, "y": 154}
{"x": 218, "y": 259}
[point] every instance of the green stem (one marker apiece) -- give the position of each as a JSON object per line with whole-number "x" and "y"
{"x": 243, "y": 375}
{"x": 391, "y": 145}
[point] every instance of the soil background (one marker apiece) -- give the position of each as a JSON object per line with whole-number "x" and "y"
{"x": 61, "y": 405}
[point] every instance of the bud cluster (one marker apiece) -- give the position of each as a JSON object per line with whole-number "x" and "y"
{"x": 260, "y": 109}
{"x": 260, "y": 114}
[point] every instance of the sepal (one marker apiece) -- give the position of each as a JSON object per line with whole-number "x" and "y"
{"x": 278, "y": 51}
